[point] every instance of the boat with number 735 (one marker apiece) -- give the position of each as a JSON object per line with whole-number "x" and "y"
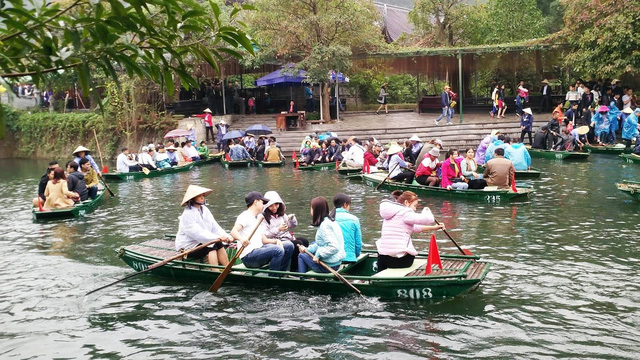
{"x": 460, "y": 274}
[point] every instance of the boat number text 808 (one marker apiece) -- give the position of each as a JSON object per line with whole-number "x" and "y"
{"x": 415, "y": 294}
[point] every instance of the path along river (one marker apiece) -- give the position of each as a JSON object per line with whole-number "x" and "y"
{"x": 564, "y": 281}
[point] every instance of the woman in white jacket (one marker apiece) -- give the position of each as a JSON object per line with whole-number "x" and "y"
{"x": 277, "y": 225}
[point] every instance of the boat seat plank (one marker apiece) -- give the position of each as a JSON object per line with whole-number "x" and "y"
{"x": 400, "y": 272}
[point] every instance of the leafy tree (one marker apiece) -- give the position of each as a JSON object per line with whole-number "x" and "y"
{"x": 319, "y": 35}
{"x": 152, "y": 39}
{"x": 603, "y": 38}
{"x": 438, "y": 22}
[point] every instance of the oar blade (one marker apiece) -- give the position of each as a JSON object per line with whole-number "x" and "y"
{"x": 467, "y": 252}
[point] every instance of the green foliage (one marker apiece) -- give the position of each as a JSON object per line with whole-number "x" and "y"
{"x": 313, "y": 115}
{"x": 603, "y": 38}
{"x": 438, "y": 22}
{"x": 366, "y": 85}
{"x": 247, "y": 80}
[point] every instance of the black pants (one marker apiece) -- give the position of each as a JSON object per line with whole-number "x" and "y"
{"x": 522, "y": 136}
{"x": 209, "y": 130}
{"x": 544, "y": 105}
{"x": 135, "y": 168}
{"x": 627, "y": 143}
{"x": 310, "y": 105}
{"x": 407, "y": 177}
{"x": 294, "y": 256}
{"x": 150, "y": 167}
{"x": 392, "y": 262}
{"x": 477, "y": 184}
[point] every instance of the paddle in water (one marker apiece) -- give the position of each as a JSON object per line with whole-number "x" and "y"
{"x": 337, "y": 274}
{"x": 463, "y": 251}
{"x": 216, "y": 285}
{"x": 157, "y": 265}
{"x": 385, "y": 179}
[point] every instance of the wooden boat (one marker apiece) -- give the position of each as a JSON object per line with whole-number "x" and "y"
{"x": 347, "y": 170}
{"x": 318, "y": 167}
{"x": 270, "y": 163}
{"x": 460, "y": 274}
{"x": 488, "y": 194}
{"x": 631, "y": 188}
{"x": 631, "y": 158}
{"x": 608, "y": 149}
{"x": 75, "y": 211}
{"x": 521, "y": 174}
{"x": 118, "y": 176}
{"x": 557, "y": 155}
{"x": 235, "y": 163}
{"x": 210, "y": 160}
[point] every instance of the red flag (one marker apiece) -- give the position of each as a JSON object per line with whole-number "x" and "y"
{"x": 227, "y": 157}
{"x": 513, "y": 180}
{"x": 105, "y": 169}
{"x": 294, "y": 156}
{"x": 365, "y": 167}
{"x": 337, "y": 164}
{"x": 434, "y": 256}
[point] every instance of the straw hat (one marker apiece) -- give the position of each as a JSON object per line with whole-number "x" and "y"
{"x": 171, "y": 147}
{"x": 80, "y": 149}
{"x": 394, "y": 149}
{"x": 545, "y": 81}
{"x": 603, "y": 108}
{"x": 528, "y": 111}
{"x": 207, "y": 110}
{"x": 583, "y": 129}
{"x": 415, "y": 138}
{"x": 627, "y": 110}
{"x": 193, "y": 191}
{"x": 495, "y": 132}
{"x": 615, "y": 81}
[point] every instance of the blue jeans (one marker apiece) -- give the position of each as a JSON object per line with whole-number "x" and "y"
{"x": 277, "y": 257}
{"x": 305, "y": 262}
{"x": 519, "y": 105}
{"x": 445, "y": 113}
{"x": 93, "y": 192}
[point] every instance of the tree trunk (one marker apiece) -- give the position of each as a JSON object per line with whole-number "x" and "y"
{"x": 326, "y": 115}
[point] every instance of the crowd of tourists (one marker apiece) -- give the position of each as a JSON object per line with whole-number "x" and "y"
{"x": 264, "y": 232}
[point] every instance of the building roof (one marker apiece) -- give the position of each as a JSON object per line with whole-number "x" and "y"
{"x": 395, "y": 21}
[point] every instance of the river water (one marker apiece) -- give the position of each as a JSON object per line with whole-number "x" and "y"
{"x": 564, "y": 279}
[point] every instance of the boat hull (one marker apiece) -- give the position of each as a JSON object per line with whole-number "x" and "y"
{"x": 140, "y": 175}
{"x": 631, "y": 188}
{"x": 630, "y": 158}
{"x": 488, "y": 196}
{"x": 611, "y": 150}
{"x": 72, "y": 212}
{"x": 345, "y": 170}
{"x": 236, "y": 163}
{"x": 558, "y": 155}
{"x": 532, "y": 173}
{"x": 270, "y": 163}
{"x": 213, "y": 158}
{"x": 464, "y": 274}
{"x": 318, "y": 167}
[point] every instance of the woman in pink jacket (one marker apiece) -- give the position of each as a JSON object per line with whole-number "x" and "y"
{"x": 451, "y": 174}
{"x": 400, "y": 220}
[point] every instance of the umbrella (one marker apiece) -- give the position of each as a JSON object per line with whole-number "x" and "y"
{"x": 259, "y": 129}
{"x": 177, "y": 133}
{"x": 233, "y": 135}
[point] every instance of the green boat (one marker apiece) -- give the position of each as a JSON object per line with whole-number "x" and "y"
{"x": 270, "y": 163}
{"x": 521, "y": 174}
{"x": 318, "y": 167}
{"x": 118, "y": 176}
{"x": 75, "y": 211}
{"x": 608, "y": 149}
{"x": 347, "y": 170}
{"x": 557, "y": 155}
{"x": 631, "y": 158}
{"x": 210, "y": 160}
{"x": 489, "y": 194}
{"x": 235, "y": 163}
{"x": 460, "y": 274}
{"x": 631, "y": 188}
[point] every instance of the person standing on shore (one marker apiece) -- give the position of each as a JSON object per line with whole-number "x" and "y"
{"x": 208, "y": 124}
{"x": 526, "y": 123}
{"x": 545, "y": 91}
{"x": 382, "y": 99}
{"x": 445, "y": 102}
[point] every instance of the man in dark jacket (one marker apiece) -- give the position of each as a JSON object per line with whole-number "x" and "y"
{"x": 75, "y": 181}
{"x": 545, "y": 102}
{"x": 43, "y": 183}
{"x": 445, "y": 102}
{"x": 554, "y": 131}
{"x": 539, "y": 139}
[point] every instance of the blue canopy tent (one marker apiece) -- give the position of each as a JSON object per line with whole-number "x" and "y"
{"x": 287, "y": 76}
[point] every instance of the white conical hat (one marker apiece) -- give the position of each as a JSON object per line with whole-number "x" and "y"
{"x": 528, "y": 111}
{"x": 207, "y": 110}
{"x": 79, "y": 149}
{"x": 415, "y": 138}
{"x": 193, "y": 191}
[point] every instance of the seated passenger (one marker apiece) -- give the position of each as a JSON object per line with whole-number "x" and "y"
{"x": 499, "y": 171}
{"x": 48, "y": 175}
{"x": 334, "y": 152}
{"x": 162, "y": 158}
{"x": 190, "y": 151}
{"x": 57, "y": 192}
{"x": 396, "y": 164}
{"x": 203, "y": 150}
{"x": 82, "y": 152}
{"x": 469, "y": 169}
{"x": 260, "y": 150}
{"x": 145, "y": 159}
{"x": 519, "y": 156}
{"x": 324, "y": 152}
{"x": 354, "y": 157}
{"x": 90, "y": 178}
{"x": 427, "y": 170}
{"x": 399, "y": 221}
{"x": 273, "y": 154}
{"x": 75, "y": 181}
{"x": 371, "y": 156}
{"x": 277, "y": 225}
{"x": 350, "y": 226}
{"x": 540, "y": 139}
{"x": 126, "y": 162}
{"x": 197, "y": 226}
{"x": 313, "y": 155}
{"x": 259, "y": 250}
{"x": 452, "y": 177}
{"x": 329, "y": 244}
{"x": 238, "y": 152}
{"x": 172, "y": 156}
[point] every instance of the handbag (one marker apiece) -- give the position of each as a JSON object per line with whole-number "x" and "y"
{"x": 452, "y": 104}
{"x": 381, "y": 99}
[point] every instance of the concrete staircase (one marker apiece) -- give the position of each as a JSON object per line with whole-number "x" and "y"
{"x": 397, "y": 126}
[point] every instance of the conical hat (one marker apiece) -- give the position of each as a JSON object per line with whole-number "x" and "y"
{"x": 415, "y": 138}
{"x": 627, "y": 110}
{"x": 583, "y": 130}
{"x": 207, "y": 110}
{"x": 528, "y": 111}
{"x": 193, "y": 191}
{"x": 394, "y": 149}
{"x": 79, "y": 149}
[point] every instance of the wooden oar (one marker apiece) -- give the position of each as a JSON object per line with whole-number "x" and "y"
{"x": 144, "y": 169}
{"x": 216, "y": 285}
{"x": 340, "y": 277}
{"x": 105, "y": 184}
{"x": 101, "y": 164}
{"x": 385, "y": 179}
{"x": 463, "y": 251}
{"x": 156, "y": 265}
